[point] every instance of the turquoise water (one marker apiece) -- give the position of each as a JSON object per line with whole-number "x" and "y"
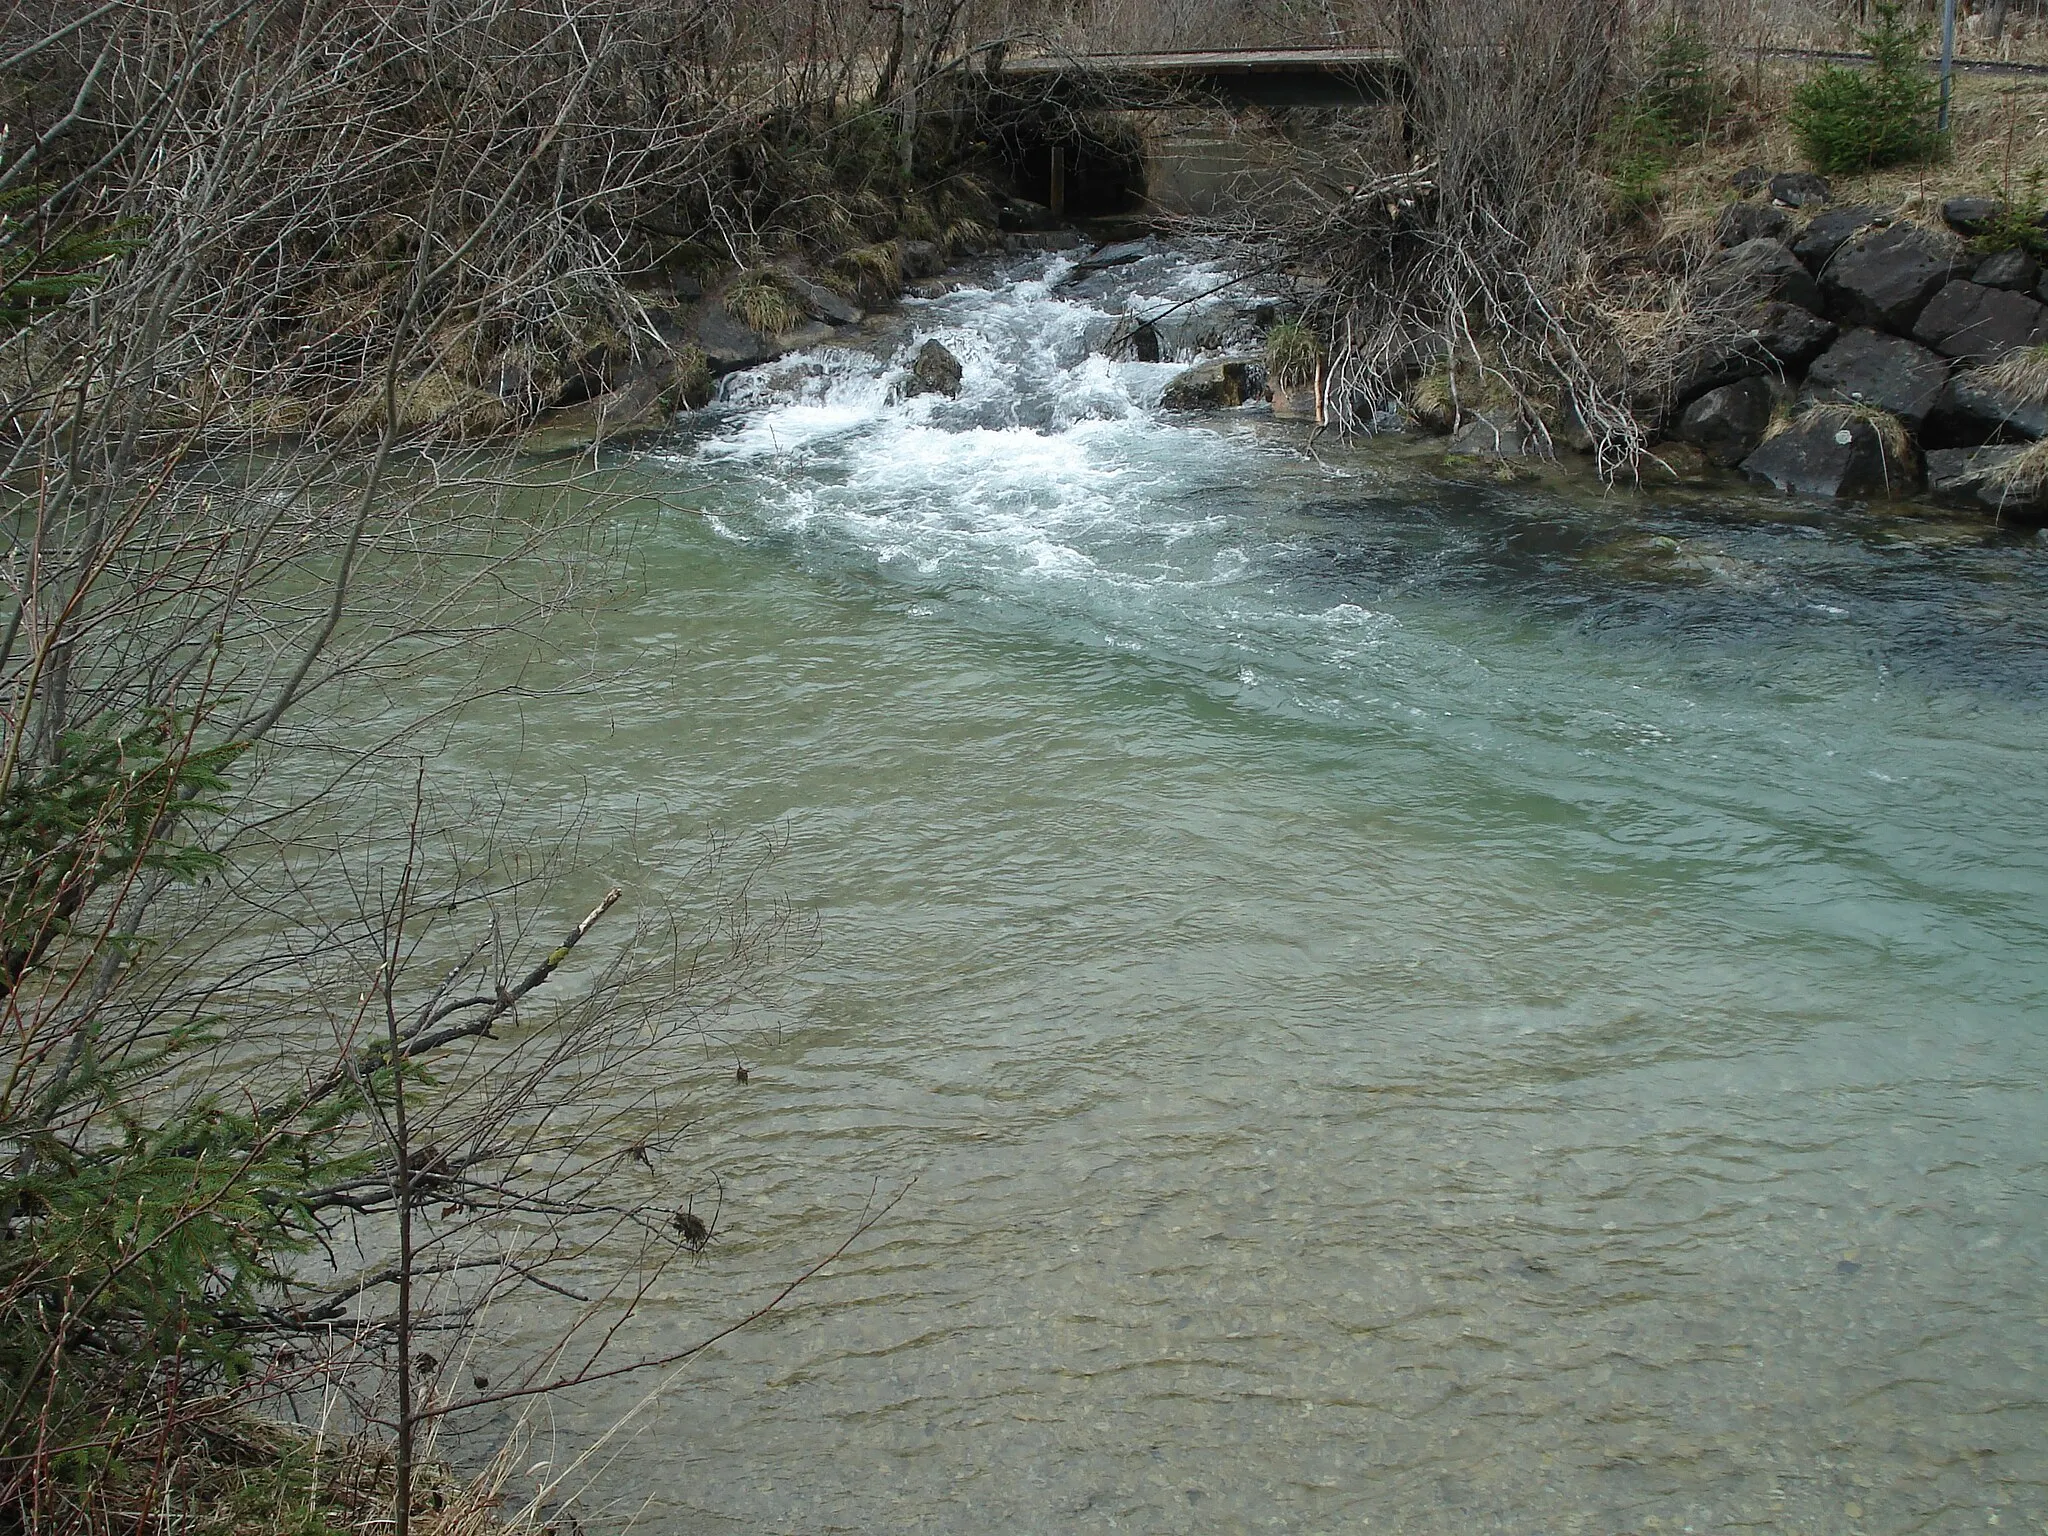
{"x": 1400, "y": 1004}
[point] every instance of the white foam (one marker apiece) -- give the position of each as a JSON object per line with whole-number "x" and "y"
{"x": 1051, "y": 450}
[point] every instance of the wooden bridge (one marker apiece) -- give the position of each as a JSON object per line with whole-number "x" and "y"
{"x": 1289, "y": 77}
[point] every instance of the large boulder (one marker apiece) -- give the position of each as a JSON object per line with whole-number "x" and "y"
{"x": 921, "y": 258}
{"x": 821, "y": 303}
{"x": 1752, "y": 221}
{"x": 1789, "y": 334}
{"x": 2013, "y": 269}
{"x": 1122, "y": 254}
{"x": 936, "y": 371}
{"x": 1972, "y": 215}
{"x": 1958, "y": 474}
{"x": 729, "y": 343}
{"x": 1800, "y": 189}
{"x": 1970, "y": 321}
{"x": 1970, "y": 401}
{"x": 1827, "y": 232}
{"x": 1884, "y": 277}
{"x": 1774, "y": 337}
{"x": 1728, "y": 423}
{"x": 1762, "y": 269}
{"x": 1869, "y": 368}
{"x": 1209, "y": 386}
{"x": 1831, "y": 452}
{"x": 1491, "y": 435}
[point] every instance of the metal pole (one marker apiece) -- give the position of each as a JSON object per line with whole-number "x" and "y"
{"x": 1948, "y": 59}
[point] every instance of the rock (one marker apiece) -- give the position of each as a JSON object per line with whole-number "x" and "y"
{"x": 1958, "y": 473}
{"x": 2022, "y": 499}
{"x": 644, "y": 404}
{"x": 2008, "y": 269}
{"x": 921, "y": 258}
{"x": 1993, "y": 410}
{"x": 1884, "y": 276}
{"x": 1726, "y": 424}
{"x": 1975, "y": 323}
{"x": 1790, "y": 335}
{"x": 1827, "y": 232}
{"x": 728, "y": 344}
{"x": 1675, "y": 461}
{"x": 1765, "y": 269}
{"x": 1775, "y": 337}
{"x": 1869, "y": 368}
{"x": 1047, "y": 240}
{"x": 1748, "y": 179}
{"x": 1122, "y": 254}
{"x": 1972, "y": 215}
{"x": 1295, "y": 402}
{"x": 1830, "y": 453}
{"x": 1208, "y": 386}
{"x": 1752, "y": 221}
{"x": 1492, "y": 435}
{"x": 822, "y": 303}
{"x": 1021, "y": 215}
{"x": 1800, "y": 189}
{"x": 935, "y": 372}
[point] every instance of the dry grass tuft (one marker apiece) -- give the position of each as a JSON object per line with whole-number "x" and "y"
{"x": 762, "y": 299}
{"x": 1892, "y": 435}
{"x": 2023, "y": 477}
{"x": 2022, "y": 371}
{"x": 873, "y": 270}
{"x": 1293, "y": 355}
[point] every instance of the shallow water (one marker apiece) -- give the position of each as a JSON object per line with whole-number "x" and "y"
{"x": 1409, "y": 1005}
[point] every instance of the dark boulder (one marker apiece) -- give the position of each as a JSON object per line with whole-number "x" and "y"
{"x": 2008, "y": 269}
{"x": 921, "y": 258}
{"x": 1800, "y": 189}
{"x": 1830, "y": 452}
{"x": 1870, "y": 368}
{"x": 1763, "y": 269}
{"x": 1123, "y": 254}
{"x": 1749, "y": 179}
{"x": 1774, "y": 337}
{"x": 1969, "y": 321}
{"x": 728, "y": 343}
{"x": 1209, "y": 386}
{"x": 1827, "y": 232}
{"x": 1997, "y": 477}
{"x": 1752, "y": 221}
{"x": 1788, "y": 334}
{"x": 821, "y": 303}
{"x": 1491, "y": 435}
{"x": 1970, "y": 402}
{"x": 1972, "y": 215}
{"x": 1020, "y": 214}
{"x": 1959, "y": 473}
{"x": 936, "y": 371}
{"x": 1884, "y": 276}
{"x": 1726, "y": 424}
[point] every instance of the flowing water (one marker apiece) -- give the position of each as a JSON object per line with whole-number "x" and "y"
{"x": 1409, "y": 1004}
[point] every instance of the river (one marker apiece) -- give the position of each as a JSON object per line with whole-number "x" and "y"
{"x": 1401, "y": 1002}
